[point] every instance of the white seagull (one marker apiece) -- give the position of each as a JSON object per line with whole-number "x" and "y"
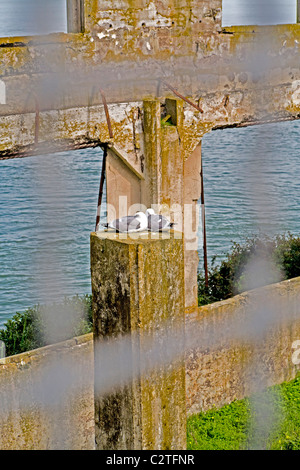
{"x": 129, "y": 223}
{"x": 156, "y": 222}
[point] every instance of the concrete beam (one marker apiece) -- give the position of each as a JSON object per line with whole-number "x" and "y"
{"x": 138, "y": 295}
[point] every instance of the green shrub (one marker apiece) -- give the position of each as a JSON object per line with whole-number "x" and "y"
{"x": 30, "y": 330}
{"x": 230, "y": 276}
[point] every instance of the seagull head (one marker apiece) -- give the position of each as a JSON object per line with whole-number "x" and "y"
{"x": 141, "y": 216}
{"x": 150, "y": 212}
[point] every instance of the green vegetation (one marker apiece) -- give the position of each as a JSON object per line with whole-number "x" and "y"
{"x": 270, "y": 420}
{"x": 32, "y": 328}
{"x": 229, "y": 277}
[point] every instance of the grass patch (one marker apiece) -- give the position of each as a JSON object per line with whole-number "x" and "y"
{"x": 269, "y": 420}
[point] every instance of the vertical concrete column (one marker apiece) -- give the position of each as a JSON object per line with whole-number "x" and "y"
{"x": 298, "y": 11}
{"x": 138, "y": 306}
{"x": 151, "y": 124}
{"x": 171, "y": 156}
{"x": 172, "y": 182}
{"x": 171, "y": 168}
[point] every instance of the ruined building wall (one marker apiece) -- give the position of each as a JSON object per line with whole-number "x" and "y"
{"x": 125, "y": 50}
{"x": 247, "y": 343}
{"x": 138, "y": 55}
{"x": 43, "y": 406}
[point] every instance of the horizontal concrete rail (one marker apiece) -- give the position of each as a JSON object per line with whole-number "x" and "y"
{"x": 44, "y": 405}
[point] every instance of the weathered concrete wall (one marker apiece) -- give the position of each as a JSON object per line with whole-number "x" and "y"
{"x": 237, "y": 74}
{"x": 47, "y": 398}
{"x": 134, "y": 50}
{"x": 217, "y": 372}
{"x": 139, "y": 18}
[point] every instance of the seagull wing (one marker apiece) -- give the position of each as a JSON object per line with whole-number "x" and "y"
{"x": 134, "y": 225}
{"x": 157, "y": 222}
{"x": 164, "y": 223}
{"x": 123, "y": 224}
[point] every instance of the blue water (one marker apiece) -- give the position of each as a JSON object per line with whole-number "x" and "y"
{"x": 47, "y": 211}
{"x": 48, "y": 207}
{"x": 30, "y": 17}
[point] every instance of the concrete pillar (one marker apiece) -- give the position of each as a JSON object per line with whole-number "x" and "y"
{"x": 298, "y": 11}
{"x": 75, "y": 16}
{"x": 171, "y": 182}
{"x": 138, "y": 295}
{"x": 163, "y": 158}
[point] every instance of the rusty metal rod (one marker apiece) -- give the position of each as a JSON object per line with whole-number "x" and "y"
{"x": 43, "y": 148}
{"x": 111, "y": 136}
{"x": 182, "y": 97}
{"x": 102, "y": 179}
{"x": 203, "y": 227}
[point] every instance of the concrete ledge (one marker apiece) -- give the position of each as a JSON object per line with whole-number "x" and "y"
{"x": 47, "y": 399}
{"x": 138, "y": 301}
{"x": 41, "y": 352}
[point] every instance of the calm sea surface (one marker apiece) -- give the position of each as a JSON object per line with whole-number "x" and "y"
{"x": 47, "y": 210}
{"x": 48, "y": 204}
{"x": 251, "y": 182}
